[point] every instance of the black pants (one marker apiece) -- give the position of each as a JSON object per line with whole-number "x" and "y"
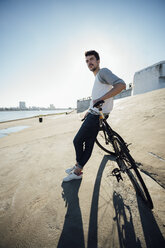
{"x": 85, "y": 139}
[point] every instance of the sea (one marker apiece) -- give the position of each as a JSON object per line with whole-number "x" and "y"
{"x": 15, "y": 115}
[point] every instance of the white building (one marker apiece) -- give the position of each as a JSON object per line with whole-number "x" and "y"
{"x": 150, "y": 78}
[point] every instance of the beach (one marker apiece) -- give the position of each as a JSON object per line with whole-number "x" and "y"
{"x": 38, "y": 210}
{"x": 26, "y": 114}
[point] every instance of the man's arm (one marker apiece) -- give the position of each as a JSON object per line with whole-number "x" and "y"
{"x": 117, "y": 88}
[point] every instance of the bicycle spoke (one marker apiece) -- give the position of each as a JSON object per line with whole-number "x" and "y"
{"x": 104, "y": 143}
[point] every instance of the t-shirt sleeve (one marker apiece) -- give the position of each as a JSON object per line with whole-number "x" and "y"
{"x": 107, "y": 77}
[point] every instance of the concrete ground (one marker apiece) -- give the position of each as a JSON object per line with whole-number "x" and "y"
{"x": 38, "y": 210}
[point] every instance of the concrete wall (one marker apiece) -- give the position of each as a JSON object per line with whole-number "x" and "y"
{"x": 162, "y": 76}
{"x": 124, "y": 93}
{"x": 150, "y": 78}
{"x": 83, "y": 104}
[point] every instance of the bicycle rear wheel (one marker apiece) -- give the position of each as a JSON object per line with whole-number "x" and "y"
{"x": 132, "y": 171}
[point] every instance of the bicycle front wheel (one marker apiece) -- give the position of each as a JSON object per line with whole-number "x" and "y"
{"x": 132, "y": 171}
{"x": 104, "y": 142}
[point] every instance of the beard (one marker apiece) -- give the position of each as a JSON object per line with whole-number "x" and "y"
{"x": 93, "y": 69}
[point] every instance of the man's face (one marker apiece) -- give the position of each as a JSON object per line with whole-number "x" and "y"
{"x": 92, "y": 62}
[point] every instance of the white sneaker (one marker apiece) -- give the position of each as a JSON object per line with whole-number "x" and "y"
{"x": 68, "y": 171}
{"x": 72, "y": 176}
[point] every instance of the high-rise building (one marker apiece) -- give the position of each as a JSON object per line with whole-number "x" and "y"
{"x": 22, "y": 105}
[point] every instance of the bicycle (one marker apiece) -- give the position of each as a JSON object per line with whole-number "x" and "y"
{"x": 108, "y": 140}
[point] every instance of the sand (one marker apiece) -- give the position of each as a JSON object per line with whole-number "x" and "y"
{"x": 38, "y": 210}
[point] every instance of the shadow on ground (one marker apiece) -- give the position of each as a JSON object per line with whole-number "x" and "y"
{"x": 124, "y": 220}
{"x": 152, "y": 234}
{"x": 93, "y": 220}
{"x": 126, "y": 233}
{"x": 72, "y": 234}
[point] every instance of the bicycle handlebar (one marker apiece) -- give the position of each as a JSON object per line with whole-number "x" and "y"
{"x": 98, "y": 104}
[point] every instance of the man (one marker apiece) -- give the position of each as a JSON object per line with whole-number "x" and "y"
{"x": 106, "y": 86}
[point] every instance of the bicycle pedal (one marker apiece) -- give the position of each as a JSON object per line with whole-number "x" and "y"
{"x": 115, "y": 171}
{"x": 117, "y": 174}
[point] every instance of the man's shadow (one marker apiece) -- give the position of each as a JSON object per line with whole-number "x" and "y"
{"x": 72, "y": 234}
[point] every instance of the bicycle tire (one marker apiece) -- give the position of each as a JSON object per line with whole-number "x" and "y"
{"x": 132, "y": 171}
{"x": 101, "y": 142}
{"x": 103, "y": 148}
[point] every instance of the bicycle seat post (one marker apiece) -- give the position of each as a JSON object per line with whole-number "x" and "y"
{"x": 101, "y": 113}
{"x": 99, "y": 106}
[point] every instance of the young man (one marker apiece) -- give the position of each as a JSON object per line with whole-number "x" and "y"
{"x": 106, "y": 86}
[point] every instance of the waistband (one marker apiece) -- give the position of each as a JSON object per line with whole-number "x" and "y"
{"x": 93, "y": 112}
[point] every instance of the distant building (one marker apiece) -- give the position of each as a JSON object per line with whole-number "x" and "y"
{"x": 150, "y": 78}
{"x": 34, "y": 108}
{"x": 22, "y": 105}
{"x": 52, "y": 106}
{"x": 83, "y": 104}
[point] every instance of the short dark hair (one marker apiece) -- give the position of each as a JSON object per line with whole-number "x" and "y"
{"x": 92, "y": 52}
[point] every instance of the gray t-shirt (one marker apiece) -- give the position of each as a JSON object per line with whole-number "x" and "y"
{"x": 107, "y": 77}
{"x": 104, "y": 82}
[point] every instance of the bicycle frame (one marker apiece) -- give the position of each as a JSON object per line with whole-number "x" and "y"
{"x": 110, "y": 130}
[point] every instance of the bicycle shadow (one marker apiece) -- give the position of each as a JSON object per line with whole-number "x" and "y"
{"x": 125, "y": 227}
{"x": 72, "y": 234}
{"x": 126, "y": 232}
{"x": 152, "y": 234}
{"x": 93, "y": 220}
{"x": 151, "y": 231}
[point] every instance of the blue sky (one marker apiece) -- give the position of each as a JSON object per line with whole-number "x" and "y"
{"x": 43, "y": 42}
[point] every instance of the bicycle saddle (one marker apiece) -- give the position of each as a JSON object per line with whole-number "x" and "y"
{"x": 98, "y": 104}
